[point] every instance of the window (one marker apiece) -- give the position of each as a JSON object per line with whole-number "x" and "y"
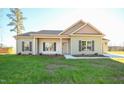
{"x": 83, "y": 45}
{"x": 49, "y": 46}
{"x": 26, "y": 46}
{"x": 86, "y": 45}
{"x": 89, "y": 45}
{"x": 92, "y": 45}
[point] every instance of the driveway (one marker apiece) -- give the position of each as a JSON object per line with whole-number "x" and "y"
{"x": 106, "y": 56}
{"x": 114, "y": 55}
{"x": 73, "y": 57}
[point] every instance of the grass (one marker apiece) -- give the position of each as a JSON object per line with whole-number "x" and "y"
{"x": 47, "y": 69}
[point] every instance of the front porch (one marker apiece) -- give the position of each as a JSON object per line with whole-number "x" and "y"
{"x": 51, "y": 46}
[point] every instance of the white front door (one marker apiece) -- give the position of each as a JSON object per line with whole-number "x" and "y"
{"x": 65, "y": 47}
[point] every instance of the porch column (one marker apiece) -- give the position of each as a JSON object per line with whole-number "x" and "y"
{"x": 60, "y": 50}
{"x": 33, "y": 46}
{"x": 36, "y": 43}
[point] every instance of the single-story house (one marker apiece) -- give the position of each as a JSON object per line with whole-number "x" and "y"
{"x": 79, "y": 38}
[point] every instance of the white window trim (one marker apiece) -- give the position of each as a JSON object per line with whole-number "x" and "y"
{"x": 53, "y": 47}
{"x": 86, "y": 45}
{"x": 28, "y": 42}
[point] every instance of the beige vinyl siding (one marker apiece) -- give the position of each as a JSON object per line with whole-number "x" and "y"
{"x": 87, "y": 30}
{"x": 73, "y": 28}
{"x": 105, "y": 45}
{"x": 75, "y": 45}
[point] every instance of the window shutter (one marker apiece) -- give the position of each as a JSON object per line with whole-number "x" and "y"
{"x": 43, "y": 46}
{"x": 30, "y": 46}
{"x": 79, "y": 45}
{"x": 92, "y": 45}
{"x": 22, "y": 45}
{"x": 54, "y": 46}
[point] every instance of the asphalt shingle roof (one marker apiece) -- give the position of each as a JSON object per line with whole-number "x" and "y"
{"x": 51, "y": 32}
{"x": 44, "y": 32}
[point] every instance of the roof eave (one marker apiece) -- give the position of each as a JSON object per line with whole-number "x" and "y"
{"x": 86, "y": 35}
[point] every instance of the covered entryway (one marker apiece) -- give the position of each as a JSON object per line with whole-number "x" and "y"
{"x": 65, "y": 46}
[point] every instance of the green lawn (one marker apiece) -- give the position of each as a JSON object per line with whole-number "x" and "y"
{"x": 44, "y": 69}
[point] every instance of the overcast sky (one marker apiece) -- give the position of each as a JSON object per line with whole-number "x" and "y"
{"x": 109, "y": 21}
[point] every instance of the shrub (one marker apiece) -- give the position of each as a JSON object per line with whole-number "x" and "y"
{"x": 82, "y": 54}
{"x": 30, "y": 53}
{"x": 96, "y": 54}
{"x": 40, "y": 54}
{"x": 19, "y": 53}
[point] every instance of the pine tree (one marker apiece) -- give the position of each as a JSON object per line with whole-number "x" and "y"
{"x": 16, "y": 17}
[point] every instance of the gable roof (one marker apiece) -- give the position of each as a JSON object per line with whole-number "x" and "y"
{"x": 42, "y": 32}
{"x": 88, "y": 29}
{"x": 79, "y": 27}
{"x": 72, "y": 28}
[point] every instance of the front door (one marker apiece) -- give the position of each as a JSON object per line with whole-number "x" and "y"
{"x": 65, "y": 47}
